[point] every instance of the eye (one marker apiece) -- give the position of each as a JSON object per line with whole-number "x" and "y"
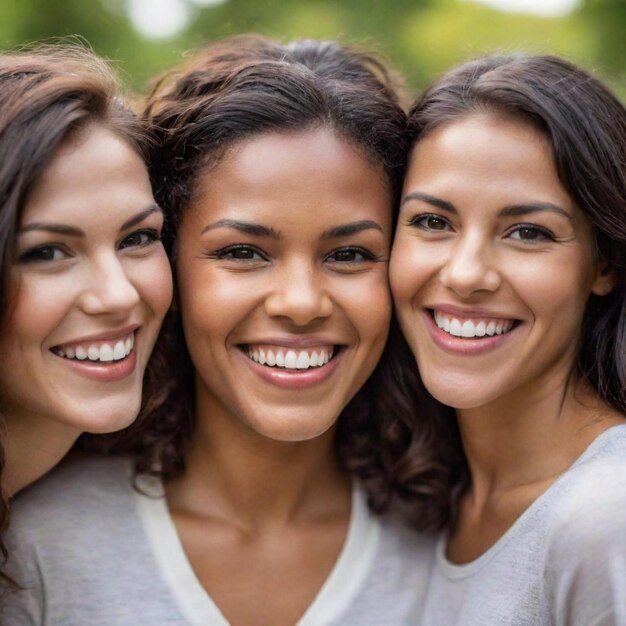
{"x": 430, "y": 221}
{"x": 44, "y": 254}
{"x": 351, "y": 255}
{"x": 240, "y": 252}
{"x": 530, "y": 233}
{"x": 140, "y": 238}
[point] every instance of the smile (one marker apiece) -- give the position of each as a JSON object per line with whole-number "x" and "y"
{"x": 283, "y": 358}
{"x": 471, "y": 328}
{"x": 98, "y": 351}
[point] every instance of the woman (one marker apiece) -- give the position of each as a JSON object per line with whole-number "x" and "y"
{"x": 278, "y": 167}
{"x": 509, "y": 277}
{"x": 85, "y": 280}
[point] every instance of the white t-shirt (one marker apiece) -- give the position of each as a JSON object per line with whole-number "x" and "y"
{"x": 562, "y": 563}
{"x": 91, "y": 551}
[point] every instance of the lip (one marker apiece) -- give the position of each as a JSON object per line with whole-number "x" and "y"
{"x": 110, "y": 335}
{"x": 109, "y": 372}
{"x": 293, "y": 379}
{"x": 308, "y": 341}
{"x": 469, "y": 312}
{"x": 461, "y": 345}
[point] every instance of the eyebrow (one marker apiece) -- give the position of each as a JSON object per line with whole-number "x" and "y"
{"x": 350, "y": 229}
{"x": 512, "y": 210}
{"x": 248, "y": 228}
{"x": 63, "y": 229}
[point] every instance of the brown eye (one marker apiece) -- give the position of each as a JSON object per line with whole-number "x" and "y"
{"x": 530, "y": 234}
{"x": 429, "y": 221}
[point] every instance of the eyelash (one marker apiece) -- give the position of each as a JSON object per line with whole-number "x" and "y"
{"x": 38, "y": 253}
{"x": 367, "y": 255}
{"x": 419, "y": 221}
{"x": 224, "y": 253}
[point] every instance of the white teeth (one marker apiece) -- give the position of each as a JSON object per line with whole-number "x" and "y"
{"x": 104, "y": 352}
{"x": 303, "y": 361}
{"x": 292, "y": 359}
{"x": 469, "y": 329}
{"x": 456, "y": 328}
{"x": 119, "y": 352}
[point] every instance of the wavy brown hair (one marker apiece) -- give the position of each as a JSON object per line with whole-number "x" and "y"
{"x": 46, "y": 95}
{"x": 227, "y": 93}
{"x": 586, "y": 127}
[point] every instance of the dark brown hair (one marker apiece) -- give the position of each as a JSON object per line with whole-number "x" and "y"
{"x": 46, "y": 95}
{"x": 229, "y": 92}
{"x": 586, "y": 127}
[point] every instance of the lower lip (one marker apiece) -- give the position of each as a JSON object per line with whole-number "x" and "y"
{"x": 293, "y": 379}
{"x": 104, "y": 372}
{"x": 463, "y": 346}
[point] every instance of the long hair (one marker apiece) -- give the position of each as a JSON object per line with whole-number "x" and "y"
{"x": 229, "y": 92}
{"x": 46, "y": 95}
{"x": 586, "y": 127}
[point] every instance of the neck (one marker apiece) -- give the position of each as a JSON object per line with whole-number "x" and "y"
{"x": 238, "y": 475}
{"x": 525, "y": 438}
{"x": 32, "y": 448}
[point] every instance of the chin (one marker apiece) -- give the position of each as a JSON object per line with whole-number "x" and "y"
{"x": 293, "y": 429}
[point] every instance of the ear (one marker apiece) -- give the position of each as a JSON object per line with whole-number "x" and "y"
{"x": 604, "y": 281}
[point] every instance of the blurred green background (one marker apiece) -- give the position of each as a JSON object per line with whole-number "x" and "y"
{"x": 422, "y": 37}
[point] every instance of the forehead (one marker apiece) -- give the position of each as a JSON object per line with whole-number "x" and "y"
{"x": 93, "y": 170}
{"x": 499, "y": 158}
{"x": 300, "y": 177}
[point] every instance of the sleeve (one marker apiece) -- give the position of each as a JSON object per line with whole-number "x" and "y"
{"x": 585, "y": 573}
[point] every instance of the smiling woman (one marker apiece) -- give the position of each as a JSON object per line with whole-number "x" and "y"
{"x": 85, "y": 280}
{"x": 278, "y": 167}
{"x": 509, "y": 276}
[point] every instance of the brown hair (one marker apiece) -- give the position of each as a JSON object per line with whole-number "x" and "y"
{"x": 586, "y": 127}
{"x": 228, "y": 92}
{"x": 46, "y": 95}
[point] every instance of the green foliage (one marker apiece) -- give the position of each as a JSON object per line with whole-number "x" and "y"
{"x": 422, "y": 37}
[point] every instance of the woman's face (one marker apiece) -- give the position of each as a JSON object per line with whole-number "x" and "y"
{"x": 493, "y": 263}
{"x": 282, "y": 275}
{"x": 90, "y": 285}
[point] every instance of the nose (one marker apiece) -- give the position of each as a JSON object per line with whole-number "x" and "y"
{"x": 470, "y": 267}
{"x": 298, "y": 294}
{"x": 108, "y": 288}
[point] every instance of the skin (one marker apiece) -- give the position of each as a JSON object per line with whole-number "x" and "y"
{"x": 492, "y": 234}
{"x": 81, "y": 270}
{"x": 263, "y": 504}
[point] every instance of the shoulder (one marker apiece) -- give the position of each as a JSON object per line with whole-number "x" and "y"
{"x": 74, "y": 499}
{"x": 585, "y": 563}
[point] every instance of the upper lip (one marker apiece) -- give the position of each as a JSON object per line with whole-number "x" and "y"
{"x": 118, "y": 333}
{"x": 304, "y": 341}
{"x": 470, "y": 312}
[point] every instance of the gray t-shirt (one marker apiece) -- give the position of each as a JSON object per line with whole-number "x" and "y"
{"x": 563, "y": 562}
{"x": 91, "y": 551}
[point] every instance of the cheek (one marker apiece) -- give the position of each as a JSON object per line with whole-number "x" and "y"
{"x": 408, "y": 271}
{"x": 154, "y": 283}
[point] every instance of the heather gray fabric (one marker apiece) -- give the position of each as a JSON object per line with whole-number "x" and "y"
{"x": 91, "y": 551}
{"x": 563, "y": 563}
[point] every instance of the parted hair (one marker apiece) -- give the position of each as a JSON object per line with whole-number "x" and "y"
{"x": 47, "y": 94}
{"x": 228, "y": 92}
